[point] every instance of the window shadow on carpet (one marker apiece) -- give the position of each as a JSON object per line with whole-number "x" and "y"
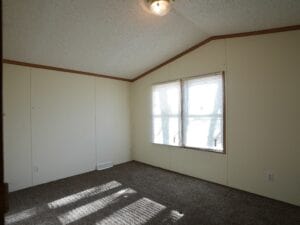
{"x": 109, "y": 203}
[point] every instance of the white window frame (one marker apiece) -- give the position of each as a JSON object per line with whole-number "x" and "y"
{"x": 181, "y": 135}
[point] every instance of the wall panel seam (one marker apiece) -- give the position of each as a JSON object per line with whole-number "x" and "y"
{"x": 30, "y": 123}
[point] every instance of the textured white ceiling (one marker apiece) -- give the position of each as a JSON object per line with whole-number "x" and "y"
{"x": 119, "y": 38}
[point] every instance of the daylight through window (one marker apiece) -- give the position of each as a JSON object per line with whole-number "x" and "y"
{"x": 189, "y": 113}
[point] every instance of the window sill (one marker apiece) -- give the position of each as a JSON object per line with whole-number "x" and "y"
{"x": 193, "y": 148}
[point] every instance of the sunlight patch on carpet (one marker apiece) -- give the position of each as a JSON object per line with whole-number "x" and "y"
{"x": 93, "y": 207}
{"x": 137, "y": 213}
{"x": 83, "y": 194}
{"x": 17, "y": 217}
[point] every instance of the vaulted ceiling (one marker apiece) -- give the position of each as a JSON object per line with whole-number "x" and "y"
{"x": 119, "y": 38}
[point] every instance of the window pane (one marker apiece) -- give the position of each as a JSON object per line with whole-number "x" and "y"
{"x": 204, "y": 132}
{"x": 166, "y": 99}
{"x": 166, "y": 130}
{"x": 166, "y": 113}
{"x": 203, "y": 96}
{"x": 203, "y": 112}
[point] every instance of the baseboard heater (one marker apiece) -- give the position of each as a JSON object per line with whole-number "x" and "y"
{"x": 103, "y": 166}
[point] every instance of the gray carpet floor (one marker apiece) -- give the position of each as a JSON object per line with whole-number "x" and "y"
{"x": 134, "y": 193}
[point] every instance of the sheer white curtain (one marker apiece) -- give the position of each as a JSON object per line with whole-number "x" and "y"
{"x": 203, "y": 112}
{"x": 166, "y": 113}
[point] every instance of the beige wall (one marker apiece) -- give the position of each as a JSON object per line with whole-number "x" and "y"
{"x": 262, "y": 87}
{"x": 62, "y": 124}
{"x": 16, "y": 126}
{"x": 56, "y": 124}
{"x": 112, "y": 121}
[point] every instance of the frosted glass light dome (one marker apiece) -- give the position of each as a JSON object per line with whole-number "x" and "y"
{"x": 160, "y": 7}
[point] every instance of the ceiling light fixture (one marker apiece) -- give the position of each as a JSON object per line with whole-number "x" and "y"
{"x": 160, "y": 7}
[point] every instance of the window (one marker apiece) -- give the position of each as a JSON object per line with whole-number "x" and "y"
{"x": 189, "y": 113}
{"x": 166, "y": 113}
{"x": 203, "y": 112}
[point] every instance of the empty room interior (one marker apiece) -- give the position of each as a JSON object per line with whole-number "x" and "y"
{"x": 139, "y": 112}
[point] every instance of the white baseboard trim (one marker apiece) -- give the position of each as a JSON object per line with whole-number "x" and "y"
{"x": 103, "y": 166}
